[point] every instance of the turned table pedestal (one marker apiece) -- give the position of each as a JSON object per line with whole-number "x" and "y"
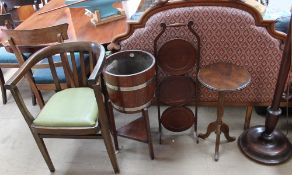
{"x": 223, "y": 78}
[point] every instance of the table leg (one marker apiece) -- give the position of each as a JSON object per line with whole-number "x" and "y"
{"x": 211, "y": 128}
{"x": 220, "y": 112}
{"x": 247, "y": 117}
{"x": 225, "y": 130}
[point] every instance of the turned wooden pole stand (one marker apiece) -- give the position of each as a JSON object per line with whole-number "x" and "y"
{"x": 265, "y": 144}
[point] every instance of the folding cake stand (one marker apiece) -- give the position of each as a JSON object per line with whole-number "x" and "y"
{"x": 176, "y": 59}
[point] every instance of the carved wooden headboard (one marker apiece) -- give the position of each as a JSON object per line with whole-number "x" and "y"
{"x": 230, "y": 31}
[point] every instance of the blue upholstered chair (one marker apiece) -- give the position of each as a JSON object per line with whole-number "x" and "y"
{"x": 30, "y": 41}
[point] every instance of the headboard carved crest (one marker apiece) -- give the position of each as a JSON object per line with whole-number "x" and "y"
{"x": 163, "y": 5}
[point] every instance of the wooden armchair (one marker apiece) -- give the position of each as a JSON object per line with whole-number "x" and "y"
{"x": 25, "y": 42}
{"x": 7, "y": 60}
{"x": 77, "y": 111}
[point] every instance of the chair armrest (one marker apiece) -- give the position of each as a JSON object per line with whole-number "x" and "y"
{"x": 19, "y": 74}
{"x": 93, "y": 78}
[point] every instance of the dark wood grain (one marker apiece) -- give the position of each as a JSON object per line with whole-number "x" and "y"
{"x": 134, "y": 130}
{"x": 176, "y": 57}
{"x": 177, "y": 90}
{"x": 177, "y": 119}
{"x": 224, "y": 77}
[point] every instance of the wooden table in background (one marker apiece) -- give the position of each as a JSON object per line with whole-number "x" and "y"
{"x": 80, "y": 28}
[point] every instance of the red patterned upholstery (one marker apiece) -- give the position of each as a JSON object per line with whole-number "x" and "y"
{"x": 228, "y": 35}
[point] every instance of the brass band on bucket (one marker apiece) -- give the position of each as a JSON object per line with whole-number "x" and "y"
{"x": 132, "y": 88}
{"x": 132, "y": 109}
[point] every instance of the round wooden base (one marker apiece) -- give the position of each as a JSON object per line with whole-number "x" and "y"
{"x": 270, "y": 150}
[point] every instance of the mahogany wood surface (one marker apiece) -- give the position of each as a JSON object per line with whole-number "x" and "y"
{"x": 182, "y": 55}
{"x": 177, "y": 119}
{"x": 80, "y": 28}
{"x": 134, "y": 130}
{"x": 224, "y": 77}
{"x": 177, "y": 90}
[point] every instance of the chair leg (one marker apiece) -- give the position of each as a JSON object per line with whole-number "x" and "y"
{"x": 196, "y": 124}
{"x": 159, "y": 122}
{"x": 247, "y": 117}
{"x": 44, "y": 151}
{"x": 3, "y": 89}
{"x": 33, "y": 98}
{"x": 110, "y": 149}
{"x": 149, "y": 138}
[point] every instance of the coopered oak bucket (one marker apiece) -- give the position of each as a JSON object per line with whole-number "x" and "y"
{"x": 130, "y": 79}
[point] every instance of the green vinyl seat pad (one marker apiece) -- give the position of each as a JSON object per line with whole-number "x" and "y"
{"x": 73, "y": 107}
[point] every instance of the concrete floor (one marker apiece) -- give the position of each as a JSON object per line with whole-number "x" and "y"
{"x": 179, "y": 154}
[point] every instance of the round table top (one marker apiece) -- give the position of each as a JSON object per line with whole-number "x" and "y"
{"x": 224, "y": 77}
